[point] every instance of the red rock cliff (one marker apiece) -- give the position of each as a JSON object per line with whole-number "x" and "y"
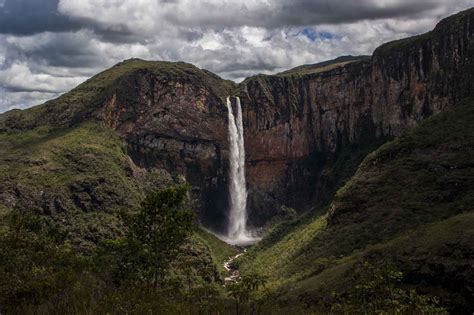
{"x": 301, "y": 127}
{"x": 296, "y": 124}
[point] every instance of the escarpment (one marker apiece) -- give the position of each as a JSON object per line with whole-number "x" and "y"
{"x": 177, "y": 123}
{"x": 303, "y": 129}
{"x": 299, "y": 126}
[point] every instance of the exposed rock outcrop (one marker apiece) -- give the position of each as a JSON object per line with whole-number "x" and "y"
{"x": 177, "y": 123}
{"x": 298, "y": 124}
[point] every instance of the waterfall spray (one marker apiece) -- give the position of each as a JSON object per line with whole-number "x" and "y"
{"x": 237, "y": 230}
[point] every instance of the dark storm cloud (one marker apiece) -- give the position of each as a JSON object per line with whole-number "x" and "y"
{"x": 26, "y": 17}
{"x": 278, "y": 13}
{"x": 57, "y": 50}
{"x": 18, "y": 88}
{"x": 310, "y": 12}
{"x": 29, "y": 17}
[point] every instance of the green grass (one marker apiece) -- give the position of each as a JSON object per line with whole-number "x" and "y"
{"x": 281, "y": 261}
{"x": 80, "y": 103}
{"x": 403, "y": 202}
{"x": 322, "y": 66}
{"x": 437, "y": 252}
{"x": 77, "y": 175}
{"x": 219, "y": 250}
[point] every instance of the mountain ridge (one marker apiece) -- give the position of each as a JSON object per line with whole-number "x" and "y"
{"x": 172, "y": 116}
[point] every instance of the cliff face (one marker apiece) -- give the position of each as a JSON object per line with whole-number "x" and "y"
{"x": 301, "y": 127}
{"x": 297, "y": 126}
{"x": 410, "y": 205}
{"x": 177, "y": 124}
{"x": 170, "y": 117}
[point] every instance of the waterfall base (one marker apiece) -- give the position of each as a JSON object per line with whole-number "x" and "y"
{"x": 241, "y": 240}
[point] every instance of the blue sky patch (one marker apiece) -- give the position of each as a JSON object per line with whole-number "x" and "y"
{"x": 310, "y": 33}
{"x": 326, "y": 35}
{"x": 313, "y": 35}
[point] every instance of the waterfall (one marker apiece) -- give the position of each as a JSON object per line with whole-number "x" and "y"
{"x": 237, "y": 230}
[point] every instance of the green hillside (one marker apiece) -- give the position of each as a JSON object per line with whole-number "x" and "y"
{"x": 78, "y": 104}
{"x": 77, "y": 176}
{"x": 57, "y": 159}
{"x": 322, "y": 66}
{"x": 410, "y": 202}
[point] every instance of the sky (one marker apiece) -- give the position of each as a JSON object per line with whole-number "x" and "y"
{"x": 47, "y": 47}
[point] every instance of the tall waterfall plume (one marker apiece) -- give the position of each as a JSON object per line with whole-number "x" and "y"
{"x": 237, "y": 230}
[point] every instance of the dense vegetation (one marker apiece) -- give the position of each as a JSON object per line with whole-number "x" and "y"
{"x": 156, "y": 266}
{"x": 154, "y": 269}
{"x": 410, "y": 203}
{"x": 80, "y": 177}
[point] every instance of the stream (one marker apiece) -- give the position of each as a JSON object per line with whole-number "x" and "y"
{"x": 229, "y": 266}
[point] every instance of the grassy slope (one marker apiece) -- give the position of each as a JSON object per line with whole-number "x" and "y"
{"x": 55, "y": 160}
{"x": 322, "y": 66}
{"x": 419, "y": 183}
{"x": 435, "y": 258}
{"x": 48, "y": 166}
{"x": 76, "y": 105}
{"x": 41, "y": 170}
{"x": 219, "y": 250}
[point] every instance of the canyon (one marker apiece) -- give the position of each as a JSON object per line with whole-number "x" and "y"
{"x": 298, "y": 125}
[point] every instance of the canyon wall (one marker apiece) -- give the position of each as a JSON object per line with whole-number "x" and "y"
{"x": 302, "y": 127}
{"x": 297, "y": 125}
{"x": 177, "y": 123}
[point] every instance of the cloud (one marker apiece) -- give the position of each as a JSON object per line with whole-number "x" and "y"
{"x": 19, "y": 78}
{"x": 145, "y": 17}
{"x": 47, "y": 47}
{"x": 21, "y": 100}
{"x": 26, "y": 17}
{"x": 274, "y": 14}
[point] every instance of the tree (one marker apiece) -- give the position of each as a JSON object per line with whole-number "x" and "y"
{"x": 155, "y": 234}
{"x": 241, "y": 290}
{"x": 377, "y": 290}
{"x": 37, "y": 267}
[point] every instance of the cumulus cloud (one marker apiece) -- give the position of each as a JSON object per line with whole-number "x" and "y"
{"x": 21, "y": 100}
{"x": 19, "y": 78}
{"x": 47, "y": 47}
